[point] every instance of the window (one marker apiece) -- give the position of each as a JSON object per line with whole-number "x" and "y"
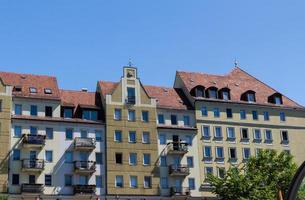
{"x": 278, "y": 100}
{"x": 189, "y": 140}
{"x": 212, "y": 93}
{"x": 161, "y": 119}
{"x": 15, "y": 179}
{"x": 83, "y": 134}
{"x": 145, "y": 116}
{"x": 68, "y": 157}
{"x": 229, "y": 113}
{"x": 174, "y": 120}
{"x": 118, "y": 158}
{"x": 204, "y": 111}
{"x": 18, "y": 109}
{"x": 33, "y": 130}
{"x": 98, "y": 135}
{"x": 226, "y": 95}
{"x": 164, "y": 182}
{"x": 243, "y": 114}
{"x": 268, "y": 135}
{"x": 282, "y": 116}
{"x": 251, "y": 97}
{"x": 219, "y": 152}
{"x": 117, "y": 114}
{"x": 99, "y": 158}
{"x": 49, "y": 133}
{"x": 16, "y": 154}
{"x": 48, "y": 91}
{"x": 190, "y": 161}
{"x": 208, "y": 170}
{"x": 69, "y": 134}
{"x": 131, "y": 115}
{"x": 163, "y": 162}
{"x": 49, "y": 156}
{"x": 218, "y": 132}
{"x": 145, "y": 138}
{"x": 48, "y": 180}
{"x": 33, "y": 90}
{"x": 266, "y": 116}
{"x": 132, "y": 159}
{"x": 17, "y": 88}
{"x": 99, "y": 181}
{"x": 207, "y": 153}
{"x": 118, "y": 136}
{"x": 133, "y": 181}
{"x": 90, "y": 114}
{"x": 206, "y": 132}
{"x": 186, "y": 120}
{"x": 244, "y": 134}
{"x": 146, "y": 159}
{"x": 191, "y": 183}
{"x": 132, "y": 137}
{"x": 33, "y": 110}
{"x": 221, "y": 172}
{"x": 119, "y": 181}
{"x": 216, "y": 112}
{"x": 131, "y": 95}
{"x": 284, "y": 136}
{"x": 68, "y": 112}
{"x": 257, "y": 134}
{"x": 246, "y": 153}
{"x": 48, "y": 111}
{"x": 254, "y": 115}
{"x": 257, "y": 151}
{"x": 232, "y": 153}
{"x": 147, "y": 182}
{"x": 17, "y": 131}
{"x": 231, "y": 133}
{"x": 162, "y": 139}
{"x": 68, "y": 180}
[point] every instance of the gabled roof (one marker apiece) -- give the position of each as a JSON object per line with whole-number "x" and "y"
{"x": 238, "y": 81}
{"x": 107, "y": 87}
{"x": 25, "y": 81}
{"x": 75, "y": 98}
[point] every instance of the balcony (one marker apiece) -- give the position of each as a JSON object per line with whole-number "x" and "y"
{"x": 177, "y": 148}
{"x": 179, "y": 170}
{"x": 84, "y": 189}
{"x": 84, "y": 167}
{"x": 130, "y": 100}
{"x": 84, "y": 144}
{"x": 34, "y": 141}
{"x": 180, "y": 192}
{"x": 32, "y": 188}
{"x": 29, "y": 165}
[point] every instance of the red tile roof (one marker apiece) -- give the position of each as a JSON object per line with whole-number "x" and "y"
{"x": 238, "y": 81}
{"x": 107, "y": 87}
{"x": 25, "y": 81}
{"x": 79, "y": 98}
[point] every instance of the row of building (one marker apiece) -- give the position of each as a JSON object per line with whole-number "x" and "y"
{"x": 131, "y": 141}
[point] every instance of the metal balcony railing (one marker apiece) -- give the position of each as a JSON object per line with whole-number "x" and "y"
{"x": 84, "y": 166}
{"x": 32, "y": 164}
{"x": 180, "y": 191}
{"x": 131, "y": 100}
{"x": 84, "y": 143}
{"x": 31, "y": 139}
{"x": 179, "y": 170}
{"x": 32, "y": 188}
{"x": 84, "y": 189}
{"x": 177, "y": 148}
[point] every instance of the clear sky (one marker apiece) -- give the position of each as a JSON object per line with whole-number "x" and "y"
{"x": 82, "y": 41}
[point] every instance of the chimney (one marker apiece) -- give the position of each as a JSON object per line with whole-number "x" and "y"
{"x": 84, "y": 89}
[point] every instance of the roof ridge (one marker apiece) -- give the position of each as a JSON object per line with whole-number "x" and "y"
{"x": 30, "y": 74}
{"x": 71, "y": 90}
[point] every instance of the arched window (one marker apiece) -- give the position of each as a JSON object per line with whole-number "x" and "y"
{"x": 197, "y": 91}
{"x": 224, "y": 94}
{"x": 211, "y": 92}
{"x": 248, "y": 96}
{"x": 276, "y": 98}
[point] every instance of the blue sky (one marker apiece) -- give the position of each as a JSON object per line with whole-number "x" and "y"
{"x": 81, "y": 42}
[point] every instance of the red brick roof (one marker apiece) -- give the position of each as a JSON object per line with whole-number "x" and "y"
{"x": 25, "y": 81}
{"x": 79, "y": 98}
{"x": 238, "y": 81}
{"x": 107, "y": 87}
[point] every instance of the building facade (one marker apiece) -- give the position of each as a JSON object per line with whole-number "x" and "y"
{"x": 130, "y": 141}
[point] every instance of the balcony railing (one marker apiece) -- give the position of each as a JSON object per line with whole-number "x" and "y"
{"x": 84, "y": 166}
{"x": 177, "y": 148}
{"x": 131, "y": 100}
{"x": 84, "y": 143}
{"x": 31, "y": 140}
{"x": 84, "y": 189}
{"x": 32, "y": 165}
{"x": 179, "y": 170}
{"x": 180, "y": 191}
{"x": 32, "y": 188}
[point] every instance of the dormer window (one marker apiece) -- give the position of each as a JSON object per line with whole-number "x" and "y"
{"x": 33, "y": 90}
{"x": 251, "y": 97}
{"x": 212, "y": 93}
{"x": 48, "y": 91}
{"x": 198, "y": 91}
{"x": 17, "y": 89}
{"x": 224, "y": 94}
{"x": 276, "y": 98}
{"x": 248, "y": 96}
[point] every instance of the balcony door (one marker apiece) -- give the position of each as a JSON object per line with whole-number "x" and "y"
{"x": 176, "y": 142}
{"x": 178, "y": 185}
{"x": 83, "y": 134}
{"x": 83, "y": 180}
{"x": 33, "y": 157}
{"x": 32, "y": 179}
{"x": 177, "y": 161}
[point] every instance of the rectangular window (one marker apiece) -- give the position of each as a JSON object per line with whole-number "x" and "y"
{"x": 68, "y": 157}
{"x": 219, "y": 152}
{"x": 118, "y": 136}
{"x": 69, "y": 134}
{"x": 218, "y": 132}
{"x": 83, "y": 134}
{"x": 132, "y": 159}
{"x": 90, "y": 114}
{"x": 190, "y": 161}
{"x": 33, "y": 90}
{"x": 48, "y": 180}
{"x": 282, "y": 116}
{"x": 206, "y": 132}
{"x": 204, "y": 111}
{"x": 98, "y": 135}
{"x": 161, "y": 119}
{"x": 164, "y": 183}
{"x": 145, "y": 138}
{"x": 146, "y": 159}
{"x": 48, "y": 111}
{"x": 266, "y": 116}
{"x": 163, "y": 161}
{"x": 251, "y": 97}
{"x": 49, "y": 156}
{"x": 33, "y": 110}
{"x": 284, "y": 136}
{"x": 257, "y": 134}
{"x": 131, "y": 95}
{"x": 68, "y": 112}
{"x": 15, "y": 179}
{"x": 68, "y": 180}
{"x": 246, "y": 153}
{"x": 16, "y": 154}
{"x": 221, "y": 172}
{"x": 117, "y": 114}
{"x": 119, "y": 181}
{"x": 208, "y": 170}
{"x": 254, "y": 115}
{"x": 99, "y": 181}
{"x": 132, "y": 137}
{"x": 207, "y": 152}
{"x": 244, "y": 134}
{"x": 118, "y": 158}
{"x": 49, "y": 133}
{"x": 145, "y": 116}
{"x": 147, "y": 182}
{"x": 162, "y": 139}
{"x": 189, "y": 140}
{"x": 268, "y": 136}
{"x": 131, "y": 115}
{"x": 216, "y": 112}
{"x": 229, "y": 113}
{"x": 99, "y": 158}
{"x": 186, "y": 120}
{"x": 231, "y": 133}
{"x": 17, "y": 131}
{"x": 133, "y": 181}
{"x": 243, "y": 114}
{"x": 174, "y": 120}
{"x": 191, "y": 183}
{"x": 33, "y": 130}
{"x": 232, "y": 153}
{"x": 18, "y": 109}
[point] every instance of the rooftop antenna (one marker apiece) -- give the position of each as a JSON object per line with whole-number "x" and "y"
{"x": 235, "y": 62}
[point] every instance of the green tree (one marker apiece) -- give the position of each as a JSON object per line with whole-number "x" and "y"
{"x": 266, "y": 176}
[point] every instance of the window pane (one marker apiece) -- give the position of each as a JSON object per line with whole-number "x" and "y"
{"x": 186, "y": 120}
{"x": 204, "y": 111}
{"x": 174, "y": 120}
{"x": 146, "y": 159}
{"x": 33, "y": 110}
{"x": 145, "y": 116}
{"x": 68, "y": 157}
{"x": 145, "y": 138}
{"x": 69, "y": 134}
{"x": 98, "y": 136}
{"x": 118, "y": 136}
{"x": 18, "y": 109}
{"x": 266, "y": 116}
{"x": 117, "y": 114}
{"x": 216, "y": 112}
{"x": 243, "y": 114}
{"x": 49, "y": 156}
{"x": 68, "y": 180}
{"x": 68, "y": 112}
{"x": 17, "y": 131}
{"x": 16, "y": 154}
{"x": 99, "y": 158}
{"x": 161, "y": 119}
{"x": 49, "y": 133}
{"x": 191, "y": 183}
{"x": 119, "y": 181}
{"x": 48, "y": 180}
{"x": 132, "y": 136}
{"x": 162, "y": 139}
